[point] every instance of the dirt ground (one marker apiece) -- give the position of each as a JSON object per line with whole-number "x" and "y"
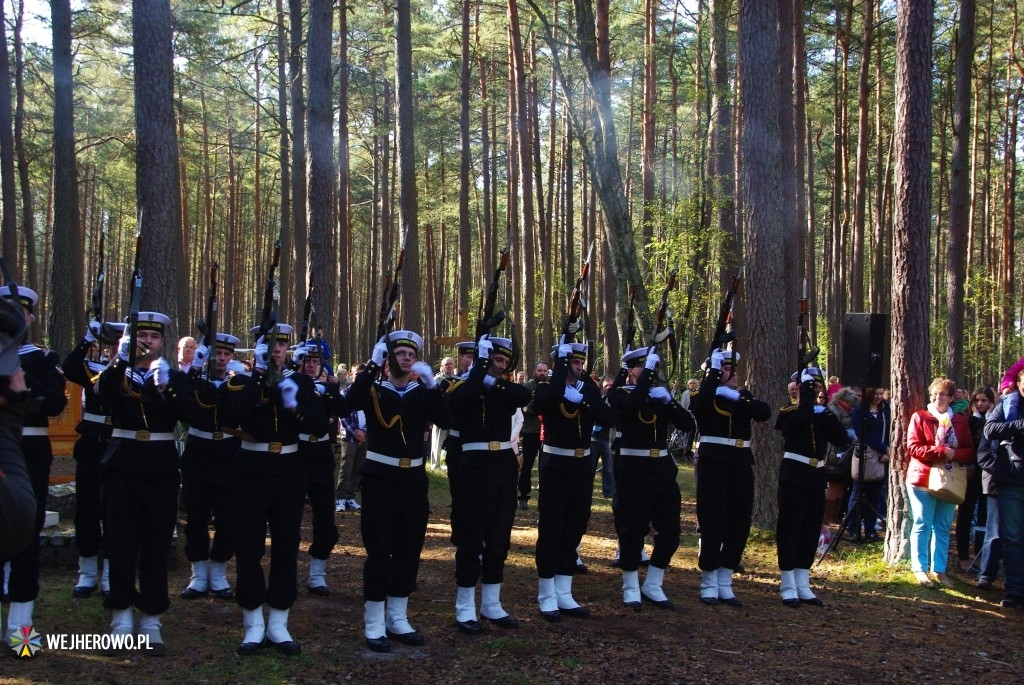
{"x": 876, "y": 626}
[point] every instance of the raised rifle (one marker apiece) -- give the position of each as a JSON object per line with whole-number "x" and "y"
{"x": 388, "y": 305}
{"x": 208, "y": 326}
{"x": 663, "y": 326}
{"x": 135, "y": 303}
{"x": 577, "y": 305}
{"x": 807, "y": 352}
{"x": 268, "y": 321}
{"x": 487, "y": 318}
{"x": 307, "y": 311}
{"x": 723, "y": 327}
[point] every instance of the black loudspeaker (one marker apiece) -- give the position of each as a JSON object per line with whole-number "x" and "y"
{"x": 866, "y": 350}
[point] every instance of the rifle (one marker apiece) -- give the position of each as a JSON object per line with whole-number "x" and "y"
{"x": 97, "y": 291}
{"x": 136, "y": 302}
{"x": 662, "y": 318}
{"x": 807, "y": 351}
{"x": 307, "y": 311}
{"x": 577, "y": 306}
{"x": 208, "y": 326}
{"x": 723, "y": 328}
{"x": 268, "y": 322}
{"x": 392, "y": 291}
{"x": 487, "y": 319}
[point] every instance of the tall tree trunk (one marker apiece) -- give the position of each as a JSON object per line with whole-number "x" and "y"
{"x": 157, "y": 187}
{"x": 910, "y": 335}
{"x": 320, "y": 201}
{"x": 412, "y": 312}
{"x": 9, "y": 223}
{"x": 295, "y": 247}
{"x": 795, "y": 278}
{"x": 857, "y": 266}
{"x": 344, "y": 340}
{"x": 464, "y": 255}
{"x": 67, "y": 252}
{"x": 27, "y": 222}
{"x": 959, "y": 193}
{"x": 650, "y": 103}
{"x": 763, "y": 214}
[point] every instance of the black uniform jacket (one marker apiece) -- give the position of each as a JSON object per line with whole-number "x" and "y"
{"x": 807, "y": 433}
{"x": 721, "y": 417}
{"x": 395, "y": 422}
{"x": 569, "y": 426}
{"x": 644, "y": 423}
{"x": 85, "y": 373}
{"x": 485, "y": 415}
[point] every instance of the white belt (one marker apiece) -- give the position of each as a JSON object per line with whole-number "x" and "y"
{"x": 141, "y": 436}
{"x": 35, "y": 430}
{"x": 306, "y": 437}
{"x": 271, "y": 447}
{"x": 578, "y": 452}
{"x": 454, "y": 432}
{"x": 813, "y": 463}
{"x": 206, "y": 435}
{"x": 96, "y": 418}
{"x": 634, "y": 452}
{"x": 731, "y": 442}
{"x": 403, "y": 463}
{"x": 492, "y": 446}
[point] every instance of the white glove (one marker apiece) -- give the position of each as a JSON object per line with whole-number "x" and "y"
{"x": 289, "y": 391}
{"x": 661, "y": 393}
{"x": 484, "y": 347}
{"x": 810, "y": 374}
{"x": 652, "y": 361}
{"x": 235, "y": 367}
{"x": 202, "y": 353}
{"x": 161, "y": 372}
{"x": 426, "y": 374}
{"x": 123, "y": 346}
{"x": 260, "y": 353}
{"x": 717, "y": 357}
{"x": 727, "y": 392}
{"x": 488, "y": 380}
{"x": 93, "y": 331}
{"x": 564, "y": 350}
{"x": 321, "y": 388}
{"x": 573, "y": 395}
{"x": 380, "y": 351}
{"x": 298, "y": 355}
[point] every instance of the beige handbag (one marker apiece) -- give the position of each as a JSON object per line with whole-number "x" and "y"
{"x": 948, "y": 482}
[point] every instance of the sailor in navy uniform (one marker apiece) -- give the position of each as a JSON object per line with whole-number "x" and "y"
{"x": 645, "y": 477}
{"x": 272, "y": 409}
{"x": 725, "y": 473}
{"x": 395, "y": 509}
{"x": 806, "y": 429}
{"x": 318, "y": 453}
{"x": 452, "y": 448}
{"x": 206, "y": 476}
{"x": 140, "y": 482}
{"x": 44, "y": 378}
{"x": 486, "y": 403}
{"x": 83, "y": 366}
{"x": 570, "y": 404}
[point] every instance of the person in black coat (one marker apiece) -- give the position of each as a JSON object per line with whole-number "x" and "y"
{"x": 725, "y": 473}
{"x": 399, "y": 403}
{"x": 806, "y": 429}
{"x": 45, "y": 380}
{"x": 486, "y": 403}
{"x": 645, "y": 476}
{"x": 570, "y": 405}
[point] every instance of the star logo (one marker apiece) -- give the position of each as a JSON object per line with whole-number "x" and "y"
{"x": 25, "y": 642}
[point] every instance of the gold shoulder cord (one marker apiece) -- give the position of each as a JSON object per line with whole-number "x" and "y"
{"x": 573, "y": 415}
{"x": 653, "y": 422}
{"x": 397, "y": 418}
{"x": 137, "y": 396}
{"x": 723, "y": 413}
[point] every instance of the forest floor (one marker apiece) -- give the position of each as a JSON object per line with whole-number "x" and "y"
{"x": 876, "y": 626}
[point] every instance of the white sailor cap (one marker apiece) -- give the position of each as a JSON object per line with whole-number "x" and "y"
{"x": 284, "y": 332}
{"x": 154, "y": 321}
{"x": 579, "y": 351}
{"x": 466, "y": 346}
{"x": 406, "y": 339}
{"x": 501, "y": 346}
{"x": 226, "y": 341}
{"x": 26, "y": 296}
{"x": 635, "y": 358}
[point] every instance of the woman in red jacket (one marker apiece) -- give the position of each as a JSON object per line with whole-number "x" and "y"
{"x": 935, "y": 436}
